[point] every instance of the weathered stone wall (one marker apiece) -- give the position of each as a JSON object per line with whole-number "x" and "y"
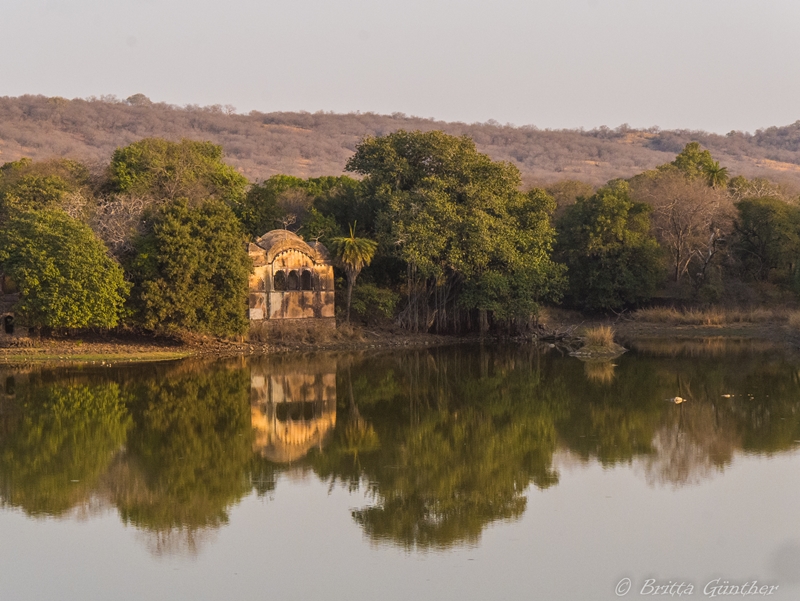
{"x": 290, "y": 279}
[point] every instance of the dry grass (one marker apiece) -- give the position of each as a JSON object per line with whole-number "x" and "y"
{"x": 713, "y": 316}
{"x": 599, "y": 337}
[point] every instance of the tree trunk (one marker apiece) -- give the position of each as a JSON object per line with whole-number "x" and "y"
{"x": 483, "y": 320}
{"x": 350, "y": 284}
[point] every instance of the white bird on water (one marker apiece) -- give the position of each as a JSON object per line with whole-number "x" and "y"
{"x": 677, "y": 400}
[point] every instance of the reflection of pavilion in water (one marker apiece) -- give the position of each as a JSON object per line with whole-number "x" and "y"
{"x": 292, "y": 407}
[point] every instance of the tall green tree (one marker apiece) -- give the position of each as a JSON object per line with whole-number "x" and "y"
{"x": 716, "y": 175}
{"x": 694, "y": 161}
{"x": 352, "y": 254}
{"x": 307, "y": 205}
{"x": 605, "y": 242}
{"x": 455, "y": 217}
{"x": 767, "y": 237}
{"x": 191, "y": 270}
{"x": 168, "y": 170}
{"x": 64, "y": 274}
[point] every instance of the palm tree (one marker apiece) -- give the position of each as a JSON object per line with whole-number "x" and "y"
{"x": 353, "y": 254}
{"x": 717, "y": 176}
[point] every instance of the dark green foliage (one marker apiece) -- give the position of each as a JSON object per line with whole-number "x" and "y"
{"x": 693, "y": 161}
{"x": 344, "y": 200}
{"x": 314, "y": 205}
{"x": 260, "y": 212}
{"x": 169, "y": 170}
{"x": 64, "y": 274}
{"x": 696, "y": 163}
{"x": 458, "y": 218}
{"x": 767, "y": 237}
{"x": 29, "y": 185}
{"x": 191, "y": 271}
{"x": 370, "y": 301}
{"x": 611, "y": 258}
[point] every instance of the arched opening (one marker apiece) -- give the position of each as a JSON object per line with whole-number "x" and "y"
{"x": 279, "y": 282}
{"x": 293, "y": 283}
{"x": 10, "y": 386}
{"x": 305, "y": 280}
{"x": 8, "y": 324}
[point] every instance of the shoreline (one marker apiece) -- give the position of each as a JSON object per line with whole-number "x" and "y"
{"x": 93, "y": 349}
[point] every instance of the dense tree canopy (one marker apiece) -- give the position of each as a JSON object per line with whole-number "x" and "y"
{"x": 58, "y": 183}
{"x": 64, "y": 274}
{"x": 458, "y": 219}
{"x": 605, "y": 241}
{"x": 768, "y": 237}
{"x": 171, "y": 170}
{"x": 191, "y": 270}
{"x": 461, "y": 247}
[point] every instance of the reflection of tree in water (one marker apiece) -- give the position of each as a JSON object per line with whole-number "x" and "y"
{"x": 445, "y": 441}
{"x": 747, "y": 403}
{"x": 187, "y": 455}
{"x": 691, "y": 445}
{"x": 456, "y": 452}
{"x": 63, "y": 438}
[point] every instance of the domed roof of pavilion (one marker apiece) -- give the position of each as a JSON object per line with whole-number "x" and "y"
{"x": 275, "y": 242}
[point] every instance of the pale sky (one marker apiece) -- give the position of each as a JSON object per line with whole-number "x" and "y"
{"x": 716, "y": 65}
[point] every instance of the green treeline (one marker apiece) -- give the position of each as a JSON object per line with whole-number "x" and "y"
{"x": 441, "y": 237}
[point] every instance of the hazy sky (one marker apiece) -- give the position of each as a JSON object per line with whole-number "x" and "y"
{"x": 716, "y": 65}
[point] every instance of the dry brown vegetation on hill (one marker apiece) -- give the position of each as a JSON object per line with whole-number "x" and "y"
{"x": 309, "y": 145}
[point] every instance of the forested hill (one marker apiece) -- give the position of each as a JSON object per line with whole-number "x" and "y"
{"x": 308, "y": 145}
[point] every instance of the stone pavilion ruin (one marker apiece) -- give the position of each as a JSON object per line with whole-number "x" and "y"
{"x": 291, "y": 283}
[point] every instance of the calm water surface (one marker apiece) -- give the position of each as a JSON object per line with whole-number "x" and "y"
{"x": 455, "y": 473}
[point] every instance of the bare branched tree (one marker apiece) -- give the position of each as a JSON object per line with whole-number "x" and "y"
{"x": 118, "y": 219}
{"x": 690, "y": 218}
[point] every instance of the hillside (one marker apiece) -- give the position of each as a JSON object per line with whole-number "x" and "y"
{"x": 306, "y": 145}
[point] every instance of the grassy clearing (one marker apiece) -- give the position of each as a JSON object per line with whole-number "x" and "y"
{"x": 599, "y": 337}
{"x": 714, "y": 316}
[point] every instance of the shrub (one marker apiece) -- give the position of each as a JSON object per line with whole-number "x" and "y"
{"x": 600, "y": 336}
{"x": 64, "y": 274}
{"x": 370, "y": 301}
{"x": 191, "y": 271}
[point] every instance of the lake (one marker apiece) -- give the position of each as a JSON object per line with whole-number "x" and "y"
{"x": 463, "y": 472}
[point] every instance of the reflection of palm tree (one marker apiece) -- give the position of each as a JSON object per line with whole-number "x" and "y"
{"x": 359, "y": 434}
